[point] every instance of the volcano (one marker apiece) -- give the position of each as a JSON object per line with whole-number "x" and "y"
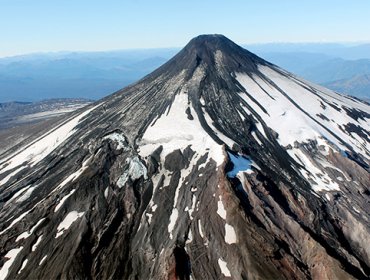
{"x": 218, "y": 165}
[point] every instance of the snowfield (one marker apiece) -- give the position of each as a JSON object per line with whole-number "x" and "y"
{"x": 294, "y": 111}
{"x": 68, "y": 221}
{"x": 174, "y": 130}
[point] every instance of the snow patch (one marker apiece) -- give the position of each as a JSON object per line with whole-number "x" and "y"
{"x": 24, "y": 235}
{"x": 200, "y": 229}
{"x": 27, "y": 234}
{"x": 26, "y": 195}
{"x": 11, "y": 256}
{"x": 191, "y": 210}
{"x": 34, "y": 247}
{"x": 7, "y": 178}
{"x": 43, "y": 259}
{"x": 218, "y": 133}
{"x": 256, "y": 138}
{"x": 166, "y": 132}
{"x": 68, "y": 221}
{"x": 177, "y": 192}
{"x": 354, "y": 208}
{"x": 21, "y": 192}
{"x": 154, "y": 207}
{"x": 190, "y": 237}
{"x": 230, "y": 235}
{"x": 23, "y": 266}
{"x": 73, "y": 176}
{"x": 202, "y": 101}
{"x": 173, "y": 219}
{"x": 261, "y": 129}
{"x": 223, "y": 266}
{"x": 221, "y": 209}
{"x": 61, "y": 202}
{"x": 319, "y": 180}
{"x": 149, "y": 216}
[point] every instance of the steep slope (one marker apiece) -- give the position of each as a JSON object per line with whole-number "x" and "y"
{"x": 216, "y": 165}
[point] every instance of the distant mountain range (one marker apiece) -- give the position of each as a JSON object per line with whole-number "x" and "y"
{"x": 359, "y": 84}
{"x": 94, "y": 75}
{"x": 74, "y": 75}
{"x": 335, "y": 66}
{"x": 345, "y": 51}
{"x": 320, "y": 68}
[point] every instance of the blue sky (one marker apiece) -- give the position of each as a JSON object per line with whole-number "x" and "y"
{"x": 54, "y": 25}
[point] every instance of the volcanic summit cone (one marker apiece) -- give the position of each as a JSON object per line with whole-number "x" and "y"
{"x": 218, "y": 165}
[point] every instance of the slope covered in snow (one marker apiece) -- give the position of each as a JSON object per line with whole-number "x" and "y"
{"x": 176, "y": 130}
{"x": 299, "y": 111}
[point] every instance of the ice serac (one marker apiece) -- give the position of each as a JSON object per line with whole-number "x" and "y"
{"x": 218, "y": 165}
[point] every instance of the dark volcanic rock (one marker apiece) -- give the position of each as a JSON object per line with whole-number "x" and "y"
{"x": 175, "y": 161}
{"x": 135, "y": 186}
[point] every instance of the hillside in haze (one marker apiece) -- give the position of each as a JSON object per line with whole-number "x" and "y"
{"x": 74, "y": 75}
{"x": 97, "y": 74}
{"x": 359, "y": 84}
{"x": 335, "y": 66}
{"x": 24, "y": 113}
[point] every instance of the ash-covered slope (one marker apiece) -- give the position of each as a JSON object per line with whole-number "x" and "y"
{"x": 217, "y": 165}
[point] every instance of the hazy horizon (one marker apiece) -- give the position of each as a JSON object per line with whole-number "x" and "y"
{"x": 70, "y": 51}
